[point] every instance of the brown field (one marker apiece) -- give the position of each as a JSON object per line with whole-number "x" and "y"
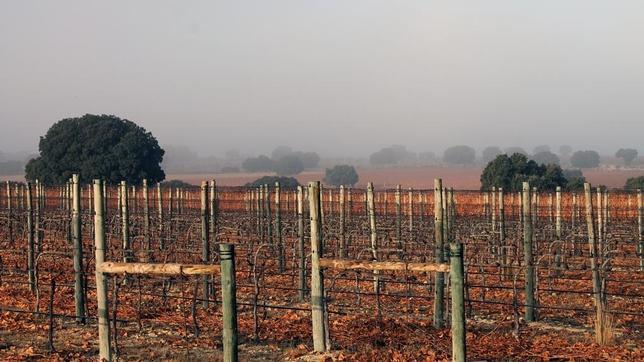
{"x": 416, "y": 177}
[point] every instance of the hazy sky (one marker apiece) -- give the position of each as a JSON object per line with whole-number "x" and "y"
{"x": 329, "y": 76}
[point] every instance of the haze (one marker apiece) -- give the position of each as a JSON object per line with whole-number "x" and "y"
{"x": 342, "y": 78}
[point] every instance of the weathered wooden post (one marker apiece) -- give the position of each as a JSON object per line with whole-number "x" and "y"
{"x": 640, "y": 227}
{"x": 493, "y": 208}
{"x": 458, "y": 302}
{"x": 79, "y": 295}
{"x": 594, "y": 263}
{"x": 269, "y": 214}
{"x": 205, "y": 240}
{"x": 9, "y": 213}
{"x": 105, "y": 352}
{"x": 317, "y": 278}
{"x": 214, "y": 210}
{"x": 374, "y": 236}
{"x": 30, "y": 240}
{"x": 411, "y": 209}
{"x": 300, "y": 237}
{"x": 398, "y": 219}
{"x": 600, "y": 222}
{"x": 527, "y": 255}
{"x": 558, "y": 213}
{"x": 278, "y": 228}
{"x": 125, "y": 221}
{"x": 37, "y": 232}
{"x": 343, "y": 240}
{"x": 504, "y": 252}
{"x": 146, "y": 221}
{"x": 439, "y": 233}
{"x": 229, "y": 301}
{"x": 160, "y": 214}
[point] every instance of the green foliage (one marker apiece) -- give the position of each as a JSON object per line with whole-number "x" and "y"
{"x": 584, "y": 159}
{"x": 635, "y": 183}
{"x": 514, "y": 149}
{"x": 288, "y": 165}
{"x": 258, "y": 164}
{"x": 509, "y": 172}
{"x": 545, "y": 158}
{"x": 459, "y": 155}
{"x": 627, "y": 154}
{"x": 285, "y": 182}
{"x": 341, "y": 175}
{"x": 176, "y": 184}
{"x": 490, "y": 153}
{"x": 94, "y": 146}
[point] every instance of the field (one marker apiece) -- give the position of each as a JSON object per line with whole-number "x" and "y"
{"x": 180, "y": 318}
{"x": 467, "y": 178}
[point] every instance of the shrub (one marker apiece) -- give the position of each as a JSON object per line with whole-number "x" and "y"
{"x": 585, "y": 159}
{"x": 341, "y": 175}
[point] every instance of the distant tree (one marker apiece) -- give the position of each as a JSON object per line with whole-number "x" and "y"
{"x": 309, "y": 159}
{"x": 258, "y": 164}
{"x": 545, "y": 158}
{"x": 97, "y": 147}
{"x": 489, "y": 153}
{"x": 459, "y": 155}
{"x": 391, "y": 155}
{"x": 541, "y": 148}
{"x": 176, "y": 184}
{"x": 584, "y": 159}
{"x": 635, "y": 183}
{"x": 285, "y": 182}
{"x": 565, "y": 150}
{"x": 288, "y": 165}
{"x": 575, "y": 179}
{"x": 512, "y": 150}
{"x": 233, "y": 154}
{"x": 281, "y": 151}
{"x": 510, "y": 172}
{"x": 627, "y": 154}
{"x": 341, "y": 175}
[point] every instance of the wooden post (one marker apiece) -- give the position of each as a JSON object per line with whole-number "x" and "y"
{"x": 146, "y": 221}
{"x": 229, "y": 301}
{"x": 9, "y": 213}
{"x": 411, "y": 209}
{"x": 105, "y": 352}
{"x": 374, "y": 236}
{"x": 439, "y": 233}
{"x": 301, "y": 251}
{"x": 640, "y": 227}
{"x": 458, "y": 302}
{"x": 30, "y": 240}
{"x": 594, "y": 253}
{"x": 37, "y": 234}
{"x": 600, "y": 222}
{"x": 214, "y": 210}
{"x": 493, "y": 208}
{"x": 205, "y": 240}
{"x": 558, "y": 213}
{"x": 125, "y": 221}
{"x": 278, "y": 228}
{"x": 527, "y": 254}
{"x": 398, "y": 219}
{"x": 343, "y": 246}
{"x": 317, "y": 278}
{"x": 79, "y": 295}
{"x": 269, "y": 214}
{"x": 160, "y": 215}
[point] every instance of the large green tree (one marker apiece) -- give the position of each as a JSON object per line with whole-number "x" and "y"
{"x": 97, "y": 146}
{"x": 510, "y": 172}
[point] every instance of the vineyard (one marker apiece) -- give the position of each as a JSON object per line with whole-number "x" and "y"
{"x": 332, "y": 273}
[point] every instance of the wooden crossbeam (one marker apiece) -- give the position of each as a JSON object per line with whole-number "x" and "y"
{"x": 382, "y": 265}
{"x": 158, "y": 269}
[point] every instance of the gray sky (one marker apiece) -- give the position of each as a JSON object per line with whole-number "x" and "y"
{"x": 329, "y": 76}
